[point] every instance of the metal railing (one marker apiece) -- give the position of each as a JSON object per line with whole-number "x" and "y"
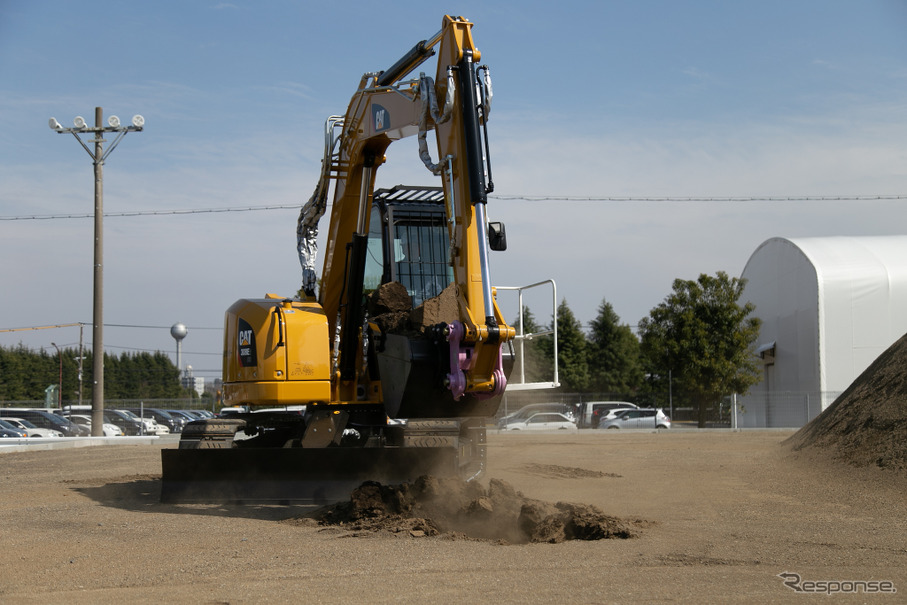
{"x": 521, "y": 338}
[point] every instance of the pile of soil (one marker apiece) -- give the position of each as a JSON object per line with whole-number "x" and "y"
{"x": 867, "y": 424}
{"x": 391, "y": 308}
{"x": 442, "y": 308}
{"x": 432, "y": 506}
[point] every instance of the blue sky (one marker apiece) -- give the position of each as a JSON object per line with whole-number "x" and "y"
{"x": 591, "y": 100}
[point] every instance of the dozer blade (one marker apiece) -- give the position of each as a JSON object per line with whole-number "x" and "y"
{"x": 317, "y": 475}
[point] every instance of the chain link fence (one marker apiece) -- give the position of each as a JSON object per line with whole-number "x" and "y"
{"x": 116, "y": 404}
{"x": 788, "y": 409}
{"x": 782, "y": 409}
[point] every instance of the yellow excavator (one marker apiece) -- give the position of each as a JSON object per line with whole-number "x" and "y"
{"x": 353, "y": 384}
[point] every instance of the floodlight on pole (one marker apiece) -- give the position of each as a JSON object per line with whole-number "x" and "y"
{"x": 98, "y": 156}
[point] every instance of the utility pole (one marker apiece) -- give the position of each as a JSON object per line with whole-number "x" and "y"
{"x": 98, "y": 157}
{"x": 60, "y": 386}
{"x": 81, "y": 358}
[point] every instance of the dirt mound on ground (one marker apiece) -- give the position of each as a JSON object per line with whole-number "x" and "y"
{"x": 867, "y": 424}
{"x": 432, "y": 506}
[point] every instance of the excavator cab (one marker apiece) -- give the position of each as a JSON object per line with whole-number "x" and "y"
{"x": 408, "y": 241}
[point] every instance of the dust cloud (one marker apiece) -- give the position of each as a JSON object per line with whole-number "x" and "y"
{"x": 456, "y": 509}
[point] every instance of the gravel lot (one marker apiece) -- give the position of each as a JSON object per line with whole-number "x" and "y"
{"x": 720, "y": 515}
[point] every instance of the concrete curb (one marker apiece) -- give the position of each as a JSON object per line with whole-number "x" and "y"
{"x": 31, "y": 444}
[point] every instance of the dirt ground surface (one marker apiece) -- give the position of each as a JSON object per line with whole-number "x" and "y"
{"x": 717, "y": 517}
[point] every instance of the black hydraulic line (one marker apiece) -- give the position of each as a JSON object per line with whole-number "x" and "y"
{"x": 472, "y": 141}
{"x": 349, "y": 339}
{"x": 489, "y": 188}
{"x": 417, "y": 54}
{"x": 471, "y": 137}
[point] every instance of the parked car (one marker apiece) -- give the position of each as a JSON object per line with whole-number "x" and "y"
{"x": 189, "y": 415}
{"x": 534, "y": 408}
{"x": 128, "y": 422}
{"x": 109, "y": 429}
{"x": 174, "y": 425}
{"x": 146, "y": 426}
{"x": 612, "y": 414}
{"x": 80, "y": 422}
{"x": 46, "y": 420}
{"x": 21, "y": 424}
{"x": 156, "y": 428}
{"x": 647, "y": 418}
{"x": 8, "y": 429}
{"x": 594, "y": 410}
{"x": 230, "y": 412}
{"x": 544, "y": 421}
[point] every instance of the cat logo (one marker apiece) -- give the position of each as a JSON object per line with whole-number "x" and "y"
{"x": 380, "y": 118}
{"x": 248, "y": 356}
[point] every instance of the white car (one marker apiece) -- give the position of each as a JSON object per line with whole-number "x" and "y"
{"x": 535, "y": 408}
{"x": 593, "y": 411}
{"x": 646, "y": 418}
{"x": 31, "y": 429}
{"x": 544, "y": 421}
{"x": 110, "y": 430}
{"x": 152, "y": 427}
{"x": 149, "y": 425}
{"x": 612, "y": 414}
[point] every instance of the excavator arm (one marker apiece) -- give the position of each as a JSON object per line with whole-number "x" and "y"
{"x": 384, "y": 109}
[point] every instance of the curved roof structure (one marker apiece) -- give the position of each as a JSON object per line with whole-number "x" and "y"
{"x": 829, "y": 306}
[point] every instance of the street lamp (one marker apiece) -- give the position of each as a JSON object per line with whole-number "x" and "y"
{"x": 60, "y": 387}
{"x": 98, "y": 157}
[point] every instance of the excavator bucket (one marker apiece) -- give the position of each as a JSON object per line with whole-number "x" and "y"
{"x": 260, "y": 475}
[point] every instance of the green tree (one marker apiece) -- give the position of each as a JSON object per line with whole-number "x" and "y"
{"x": 614, "y": 354}
{"x": 704, "y": 337}
{"x": 532, "y": 362}
{"x": 24, "y": 374}
{"x": 572, "y": 355}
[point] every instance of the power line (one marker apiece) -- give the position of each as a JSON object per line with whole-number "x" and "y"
{"x": 528, "y": 198}
{"x": 42, "y": 327}
{"x": 106, "y": 325}
{"x": 39, "y": 217}
{"x": 159, "y": 351}
{"x": 675, "y": 199}
{"x": 153, "y": 327}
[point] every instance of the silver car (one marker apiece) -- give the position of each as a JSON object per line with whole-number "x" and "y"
{"x": 546, "y": 421}
{"x": 8, "y": 429}
{"x": 638, "y": 419}
{"x": 22, "y": 425}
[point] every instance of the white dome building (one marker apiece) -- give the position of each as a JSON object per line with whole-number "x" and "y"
{"x": 829, "y": 306}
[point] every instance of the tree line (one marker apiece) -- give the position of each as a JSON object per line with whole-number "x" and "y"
{"x": 698, "y": 343}
{"x": 26, "y": 373}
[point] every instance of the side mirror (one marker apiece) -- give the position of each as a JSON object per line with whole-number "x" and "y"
{"x": 497, "y": 237}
